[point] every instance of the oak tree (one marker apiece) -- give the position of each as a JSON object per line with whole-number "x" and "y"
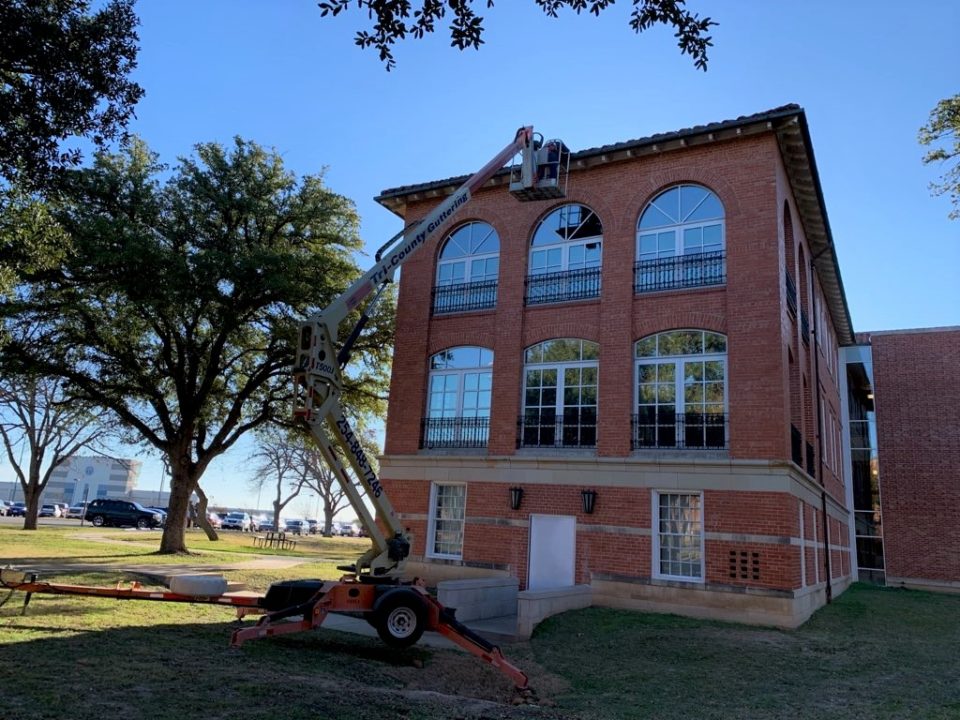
{"x": 178, "y": 303}
{"x": 394, "y": 20}
{"x": 942, "y": 128}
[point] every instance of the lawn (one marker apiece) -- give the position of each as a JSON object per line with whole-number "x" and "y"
{"x": 874, "y": 653}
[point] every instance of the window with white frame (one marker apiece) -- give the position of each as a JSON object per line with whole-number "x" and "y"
{"x": 680, "y": 240}
{"x": 458, "y": 398}
{"x": 448, "y": 503}
{"x": 681, "y": 390}
{"x": 560, "y": 394}
{"x": 565, "y": 256}
{"x": 467, "y": 269}
{"x": 678, "y": 536}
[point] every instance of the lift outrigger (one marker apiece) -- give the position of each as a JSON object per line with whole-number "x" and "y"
{"x": 374, "y": 587}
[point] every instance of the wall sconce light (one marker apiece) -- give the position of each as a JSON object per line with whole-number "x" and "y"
{"x": 589, "y": 498}
{"x": 516, "y": 496}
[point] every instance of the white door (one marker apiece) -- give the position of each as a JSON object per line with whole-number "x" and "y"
{"x": 553, "y": 544}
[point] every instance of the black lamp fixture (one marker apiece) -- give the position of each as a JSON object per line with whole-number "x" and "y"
{"x": 516, "y": 496}
{"x": 589, "y": 498}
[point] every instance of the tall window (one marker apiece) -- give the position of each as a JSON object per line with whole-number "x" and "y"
{"x": 681, "y": 390}
{"x": 448, "y": 503}
{"x": 678, "y": 536}
{"x": 467, "y": 269}
{"x": 680, "y": 240}
{"x": 458, "y": 398}
{"x": 560, "y": 394}
{"x": 565, "y": 256}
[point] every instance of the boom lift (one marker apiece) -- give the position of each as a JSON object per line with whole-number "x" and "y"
{"x": 373, "y": 587}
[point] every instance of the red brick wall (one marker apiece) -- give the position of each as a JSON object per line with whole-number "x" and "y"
{"x": 917, "y": 399}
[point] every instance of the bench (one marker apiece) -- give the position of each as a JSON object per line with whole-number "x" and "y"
{"x": 274, "y": 540}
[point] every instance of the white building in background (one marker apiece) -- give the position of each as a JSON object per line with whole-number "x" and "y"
{"x": 79, "y": 479}
{"x": 85, "y": 478}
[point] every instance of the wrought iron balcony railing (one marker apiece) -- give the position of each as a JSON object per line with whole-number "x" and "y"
{"x": 686, "y": 431}
{"x": 683, "y": 271}
{"x": 458, "y": 432}
{"x": 791, "y": 296}
{"x": 464, "y": 296}
{"x": 563, "y": 286}
{"x": 546, "y": 430}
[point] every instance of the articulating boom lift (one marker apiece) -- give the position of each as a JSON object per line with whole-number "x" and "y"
{"x": 373, "y": 587}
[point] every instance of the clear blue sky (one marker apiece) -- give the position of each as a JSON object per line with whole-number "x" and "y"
{"x": 867, "y": 74}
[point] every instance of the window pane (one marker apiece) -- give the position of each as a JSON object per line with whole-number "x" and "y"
{"x": 647, "y": 347}
{"x": 691, "y": 197}
{"x": 692, "y": 240}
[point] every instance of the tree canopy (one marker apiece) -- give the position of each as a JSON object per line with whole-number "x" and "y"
{"x": 178, "y": 303}
{"x": 63, "y": 74}
{"x": 943, "y": 125}
{"x": 394, "y": 20}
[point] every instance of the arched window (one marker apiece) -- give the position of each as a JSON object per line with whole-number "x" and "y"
{"x": 680, "y": 240}
{"x": 681, "y": 390}
{"x": 560, "y": 394}
{"x": 467, "y": 269}
{"x": 565, "y": 256}
{"x": 458, "y": 398}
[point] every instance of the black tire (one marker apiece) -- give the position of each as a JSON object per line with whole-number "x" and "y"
{"x": 98, "y": 521}
{"x": 142, "y": 524}
{"x": 400, "y": 617}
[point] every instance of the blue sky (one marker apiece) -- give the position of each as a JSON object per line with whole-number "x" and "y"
{"x": 867, "y": 74}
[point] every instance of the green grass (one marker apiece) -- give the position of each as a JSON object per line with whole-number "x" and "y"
{"x": 873, "y": 653}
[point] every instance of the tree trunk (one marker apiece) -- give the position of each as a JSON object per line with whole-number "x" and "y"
{"x": 276, "y": 515}
{"x": 203, "y": 519}
{"x": 181, "y": 488}
{"x": 327, "y": 518}
{"x": 31, "y": 498}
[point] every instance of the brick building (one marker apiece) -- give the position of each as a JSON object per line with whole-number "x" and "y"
{"x": 904, "y": 456}
{"x": 635, "y": 388}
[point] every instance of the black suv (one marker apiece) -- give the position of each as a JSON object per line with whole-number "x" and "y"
{"x": 121, "y": 512}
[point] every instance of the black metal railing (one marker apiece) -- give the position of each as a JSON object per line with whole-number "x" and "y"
{"x": 791, "y": 296}
{"x": 546, "y": 430}
{"x": 464, "y": 296}
{"x": 684, "y": 271}
{"x": 563, "y": 286}
{"x": 811, "y": 466}
{"x": 796, "y": 446}
{"x": 458, "y": 432}
{"x": 684, "y": 431}
{"x": 804, "y": 327}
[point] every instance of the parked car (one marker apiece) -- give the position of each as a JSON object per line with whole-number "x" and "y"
{"x": 5, "y": 507}
{"x": 344, "y": 529}
{"x": 313, "y": 526}
{"x": 103, "y": 511}
{"x": 49, "y": 510}
{"x": 17, "y": 509}
{"x": 296, "y": 527}
{"x": 237, "y": 521}
{"x": 63, "y": 509}
{"x": 214, "y": 520}
{"x": 76, "y": 511}
{"x": 265, "y": 526}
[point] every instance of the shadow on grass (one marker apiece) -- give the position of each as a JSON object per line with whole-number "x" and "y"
{"x": 177, "y": 671}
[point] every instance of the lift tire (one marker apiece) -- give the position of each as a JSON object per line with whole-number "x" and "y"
{"x": 198, "y": 585}
{"x": 400, "y": 617}
{"x": 97, "y": 521}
